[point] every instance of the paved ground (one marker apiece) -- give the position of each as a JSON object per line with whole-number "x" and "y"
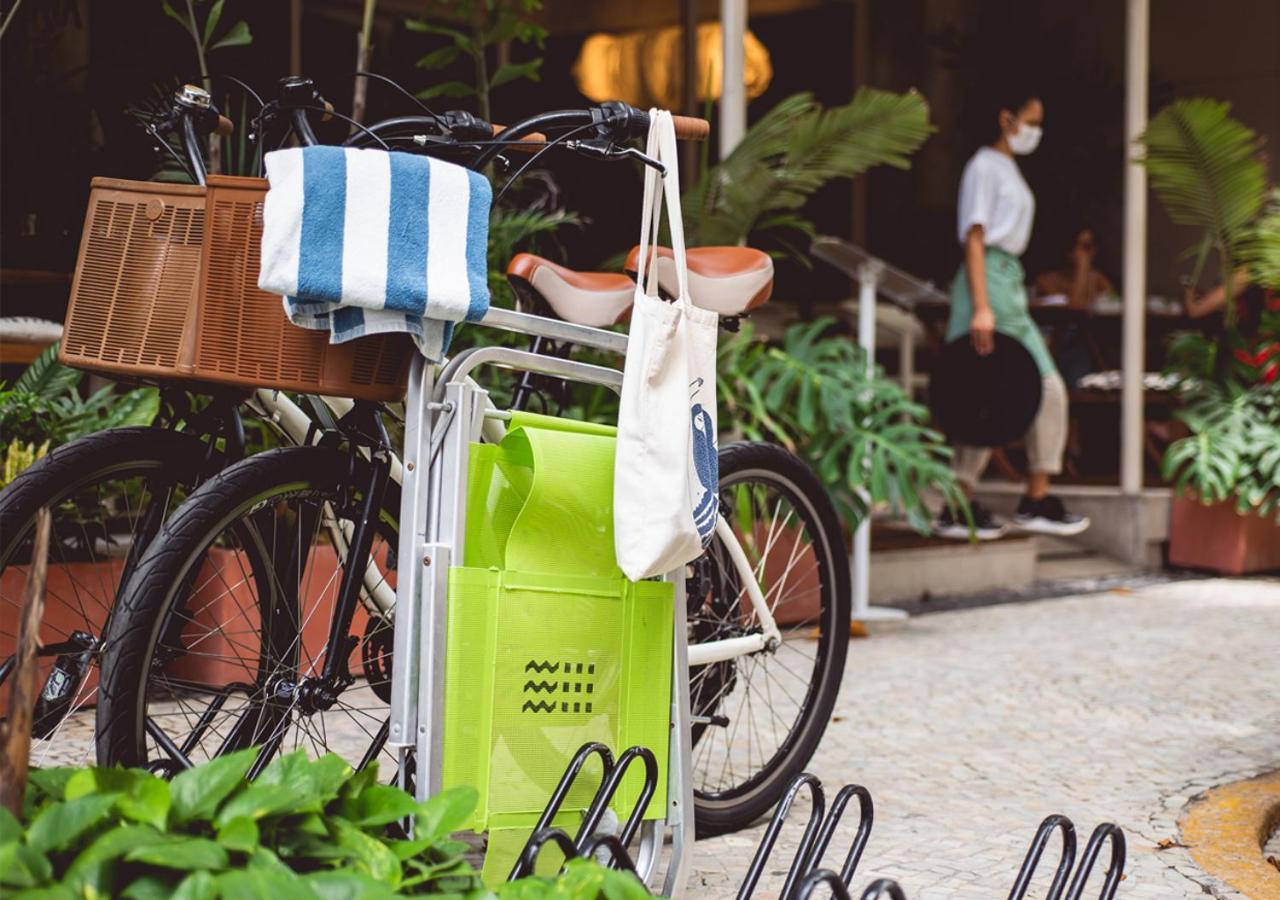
{"x": 969, "y": 727}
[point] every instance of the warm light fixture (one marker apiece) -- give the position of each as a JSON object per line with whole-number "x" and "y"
{"x": 646, "y": 68}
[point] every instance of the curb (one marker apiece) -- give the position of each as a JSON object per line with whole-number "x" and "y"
{"x": 1225, "y": 829}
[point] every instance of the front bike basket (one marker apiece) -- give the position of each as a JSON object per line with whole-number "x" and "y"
{"x": 549, "y": 646}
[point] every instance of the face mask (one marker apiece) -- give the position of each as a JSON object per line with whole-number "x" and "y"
{"x": 1025, "y": 139}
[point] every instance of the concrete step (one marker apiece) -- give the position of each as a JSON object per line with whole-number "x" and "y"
{"x": 905, "y": 565}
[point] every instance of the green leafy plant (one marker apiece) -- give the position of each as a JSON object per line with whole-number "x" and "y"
{"x": 1233, "y": 450}
{"x": 474, "y": 28}
{"x": 202, "y": 21}
{"x": 760, "y": 188}
{"x": 1204, "y": 166}
{"x": 44, "y": 405}
{"x": 1207, "y": 171}
{"x": 867, "y": 440}
{"x": 303, "y": 828}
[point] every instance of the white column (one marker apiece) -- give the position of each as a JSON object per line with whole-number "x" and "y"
{"x": 1134, "y": 282}
{"x": 863, "y": 611}
{"x": 733, "y": 88}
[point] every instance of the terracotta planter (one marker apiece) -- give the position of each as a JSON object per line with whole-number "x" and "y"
{"x": 79, "y": 591}
{"x": 1222, "y": 540}
{"x": 802, "y": 601}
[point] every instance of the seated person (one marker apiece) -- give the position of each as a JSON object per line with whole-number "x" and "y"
{"x": 1077, "y": 279}
{"x": 1081, "y": 284}
{"x": 1250, "y": 299}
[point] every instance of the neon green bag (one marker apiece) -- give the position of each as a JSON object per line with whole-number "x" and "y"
{"x": 548, "y": 645}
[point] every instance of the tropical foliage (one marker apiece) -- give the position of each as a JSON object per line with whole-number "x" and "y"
{"x": 1234, "y": 446}
{"x": 303, "y": 828}
{"x": 1207, "y": 170}
{"x": 760, "y": 188}
{"x": 868, "y": 441}
{"x": 478, "y": 27}
{"x": 44, "y": 409}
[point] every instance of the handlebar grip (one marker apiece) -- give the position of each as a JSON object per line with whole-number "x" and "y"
{"x": 328, "y": 111}
{"x": 225, "y": 127}
{"x": 691, "y": 128}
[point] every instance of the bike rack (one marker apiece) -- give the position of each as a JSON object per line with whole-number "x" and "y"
{"x": 586, "y": 843}
{"x": 805, "y": 877}
{"x": 1107, "y": 831}
{"x": 818, "y": 833}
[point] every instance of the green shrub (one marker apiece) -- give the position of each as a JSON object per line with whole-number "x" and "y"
{"x": 303, "y": 828}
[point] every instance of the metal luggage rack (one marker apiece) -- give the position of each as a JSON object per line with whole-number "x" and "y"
{"x": 806, "y": 877}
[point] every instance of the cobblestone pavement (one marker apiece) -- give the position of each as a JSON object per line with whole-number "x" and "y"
{"x": 969, "y": 727}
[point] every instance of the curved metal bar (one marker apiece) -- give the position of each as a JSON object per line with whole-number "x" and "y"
{"x": 866, "y": 819}
{"x": 878, "y": 887}
{"x": 567, "y": 780}
{"x": 618, "y": 855}
{"x": 595, "y": 812}
{"x": 818, "y": 878}
{"x": 529, "y": 855}
{"x": 1105, "y": 831}
{"x": 765, "y": 850}
{"x": 522, "y": 360}
{"x": 1036, "y": 850}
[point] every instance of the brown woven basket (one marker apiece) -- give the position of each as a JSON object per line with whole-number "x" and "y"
{"x": 166, "y": 288}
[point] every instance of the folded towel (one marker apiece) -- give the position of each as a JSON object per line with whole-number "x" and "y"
{"x": 366, "y": 242}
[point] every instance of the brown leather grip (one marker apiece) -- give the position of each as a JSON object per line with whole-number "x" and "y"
{"x": 225, "y": 127}
{"x": 530, "y": 143}
{"x": 690, "y": 128}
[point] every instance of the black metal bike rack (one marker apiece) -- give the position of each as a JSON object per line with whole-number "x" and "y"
{"x": 818, "y": 832}
{"x": 586, "y": 843}
{"x": 806, "y": 878}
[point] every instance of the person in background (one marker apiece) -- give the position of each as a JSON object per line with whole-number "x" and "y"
{"x": 1075, "y": 285}
{"x": 1250, "y": 299}
{"x": 1077, "y": 280}
{"x": 996, "y": 210}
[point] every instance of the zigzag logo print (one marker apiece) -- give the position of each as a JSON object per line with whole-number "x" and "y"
{"x": 583, "y": 687}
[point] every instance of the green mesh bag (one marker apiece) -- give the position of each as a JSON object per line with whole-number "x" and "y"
{"x": 549, "y": 646}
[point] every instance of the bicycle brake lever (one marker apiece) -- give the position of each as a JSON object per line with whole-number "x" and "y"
{"x": 633, "y": 153}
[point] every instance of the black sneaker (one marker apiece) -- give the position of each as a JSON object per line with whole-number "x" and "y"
{"x": 986, "y": 527}
{"x": 1048, "y": 516}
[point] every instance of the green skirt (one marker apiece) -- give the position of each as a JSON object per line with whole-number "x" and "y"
{"x": 1006, "y": 289}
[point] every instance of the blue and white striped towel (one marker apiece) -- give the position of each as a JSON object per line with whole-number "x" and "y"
{"x": 366, "y": 242}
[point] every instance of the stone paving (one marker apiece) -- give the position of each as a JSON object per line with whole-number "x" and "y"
{"x": 969, "y": 727}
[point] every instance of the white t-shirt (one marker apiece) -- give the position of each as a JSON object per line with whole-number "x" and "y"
{"x": 994, "y": 194}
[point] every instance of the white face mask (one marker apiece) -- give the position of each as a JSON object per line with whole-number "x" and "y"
{"x": 1025, "y": 139}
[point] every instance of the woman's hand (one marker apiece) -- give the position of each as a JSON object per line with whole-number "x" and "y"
{"x": 982, "y": 331}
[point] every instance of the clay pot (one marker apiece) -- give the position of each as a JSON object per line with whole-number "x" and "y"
{"x": 1220, "y": 539}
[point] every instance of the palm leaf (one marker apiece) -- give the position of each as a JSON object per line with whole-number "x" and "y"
{"x": 1260, "y": 249}
{"x": 793, "y": 150}
{"x": 47, "y": 378}
{"x": 1204, "y": 166}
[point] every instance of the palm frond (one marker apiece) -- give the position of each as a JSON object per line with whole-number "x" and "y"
{"x": 791, "y": 152}
{"x": 1260, "y": 248}
{"x": 1204, "y": 166}
{"x": 47, "y": 378}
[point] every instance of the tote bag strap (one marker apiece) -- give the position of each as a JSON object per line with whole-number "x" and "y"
{"x": 651, "y": 212}
{"x": 670, "y": 156}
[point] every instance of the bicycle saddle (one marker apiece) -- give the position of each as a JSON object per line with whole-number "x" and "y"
{"x": 727, "y": 280}
{"x": 598, "y": 299}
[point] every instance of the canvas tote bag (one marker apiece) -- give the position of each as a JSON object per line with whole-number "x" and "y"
{"x": 666, "y": 499}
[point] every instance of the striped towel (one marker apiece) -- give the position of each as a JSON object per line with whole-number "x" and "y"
{"x": 366, "y": 242}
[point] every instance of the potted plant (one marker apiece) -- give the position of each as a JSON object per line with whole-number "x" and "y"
{"x": 1206, "y": 169}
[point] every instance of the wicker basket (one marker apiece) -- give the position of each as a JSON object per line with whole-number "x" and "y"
{"x": 166, "y": 288}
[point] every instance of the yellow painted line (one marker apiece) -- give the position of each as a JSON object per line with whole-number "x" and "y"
{"x": 1225, "y": 829}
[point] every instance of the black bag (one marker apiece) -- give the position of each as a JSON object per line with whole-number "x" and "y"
{"x": 985, "y": 401}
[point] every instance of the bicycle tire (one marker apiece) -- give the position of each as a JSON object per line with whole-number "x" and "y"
{"x": 66, "y": 474}
{"x": 762, "y": 466}
{"x": 262, "y": 482}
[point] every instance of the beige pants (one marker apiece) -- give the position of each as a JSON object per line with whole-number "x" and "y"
{"x": 1045, "y": 441}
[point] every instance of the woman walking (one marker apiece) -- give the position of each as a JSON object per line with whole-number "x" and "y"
{"x": 988, "y": 294}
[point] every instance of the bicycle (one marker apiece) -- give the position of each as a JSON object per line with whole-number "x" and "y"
{"x": 777, "y": 513}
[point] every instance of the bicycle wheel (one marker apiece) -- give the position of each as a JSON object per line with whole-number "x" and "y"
{"x": 758, "y": 718}
{"x": 108, "y": 493}
{"x": 219, "y": 639}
